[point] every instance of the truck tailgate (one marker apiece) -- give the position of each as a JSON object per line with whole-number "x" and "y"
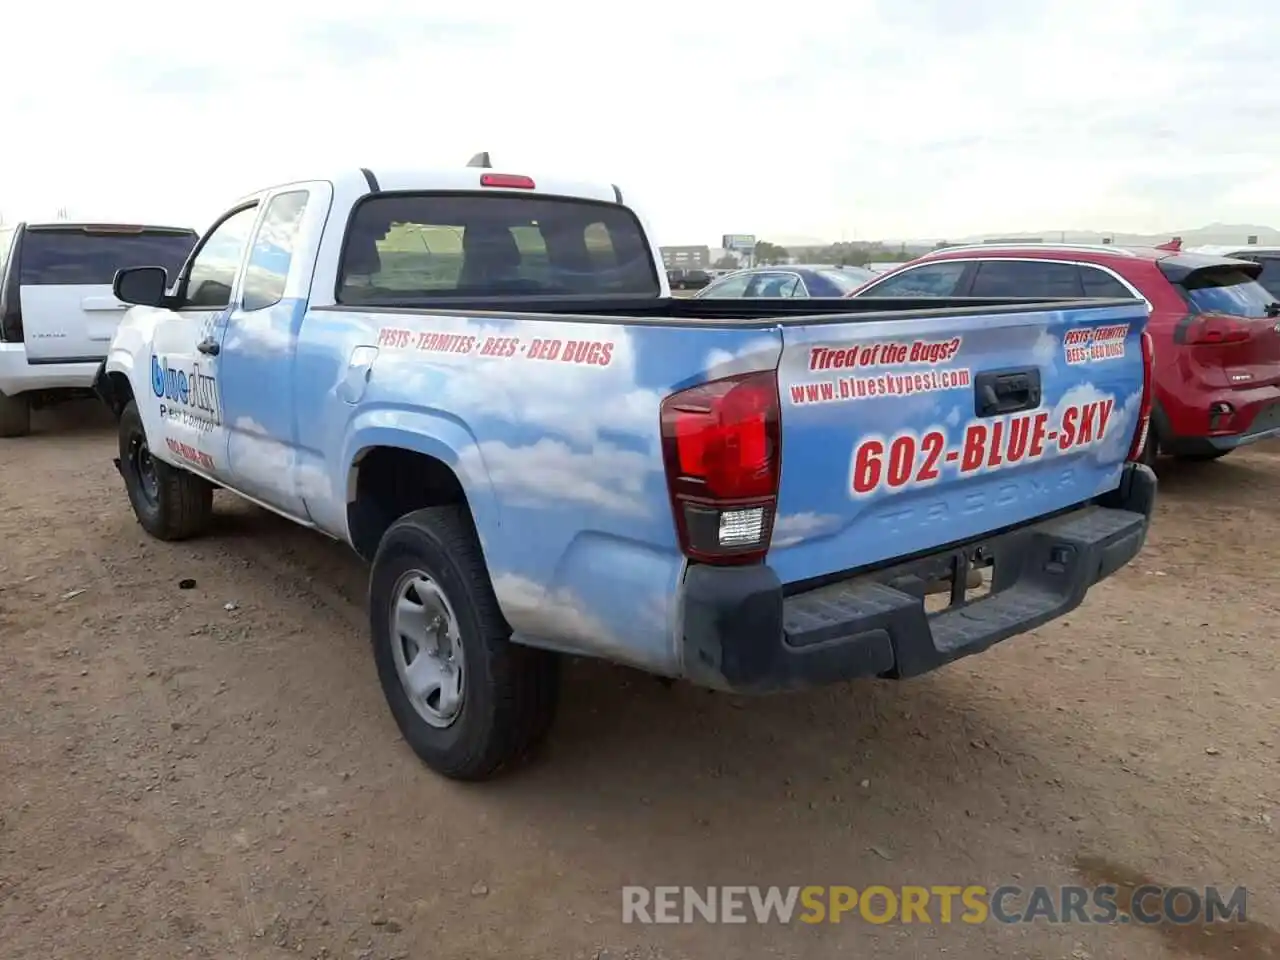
{"x": 901, "y": 436}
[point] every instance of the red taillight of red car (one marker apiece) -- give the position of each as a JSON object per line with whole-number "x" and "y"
{"x": 721, "y": 446}
{"x": 1144, "y": 406}
{"x": 1215, "y": 328}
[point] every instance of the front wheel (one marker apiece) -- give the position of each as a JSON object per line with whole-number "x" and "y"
{"x": 171, "y": 504}
{"x": 468, "y": 700}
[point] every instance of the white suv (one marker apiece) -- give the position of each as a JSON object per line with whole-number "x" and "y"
{"x": 57, "y": 311}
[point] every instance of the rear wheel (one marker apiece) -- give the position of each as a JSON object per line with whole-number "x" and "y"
{"x": 15, "y": 416}
{"x": 171, "y": 504}
{"x": 1150, "y": 449}
{"x": 468, "y": 700}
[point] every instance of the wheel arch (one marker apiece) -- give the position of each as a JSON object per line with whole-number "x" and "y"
{"x": 392, "y": 472}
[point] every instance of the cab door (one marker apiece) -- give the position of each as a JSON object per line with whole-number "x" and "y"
{"x": 258, "y": 342}
{"x": 186, "y": 394}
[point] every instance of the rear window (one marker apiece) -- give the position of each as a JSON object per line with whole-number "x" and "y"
{"x": 75, "y": 256}
{"x": 1232, "y": 292}
{"x": 432, "y": 246}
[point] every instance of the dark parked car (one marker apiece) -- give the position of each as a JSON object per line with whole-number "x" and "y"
{"x": 688, "y": 279}
{"x": 1267, "y": 257}
{"x": 788, "y": 281}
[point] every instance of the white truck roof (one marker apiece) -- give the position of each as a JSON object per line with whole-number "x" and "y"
{"x": 365, "y": 179}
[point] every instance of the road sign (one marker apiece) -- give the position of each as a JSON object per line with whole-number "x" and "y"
{"x": 741, "y": 242}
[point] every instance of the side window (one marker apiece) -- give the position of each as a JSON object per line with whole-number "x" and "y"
{"x": 6, "y": 241}
{"x": 213, "y": 271}
{"x": 730, "y": 288}
{"x": 772, "y": 285}
{"x": 1269, "y": 278}
{"x": 1026, "y": 278}
{"x": 932, "y": 280}
{"x": 786, "y": 286}
{"x": 1099, "y": 283}
{"x": 268, "y": 266}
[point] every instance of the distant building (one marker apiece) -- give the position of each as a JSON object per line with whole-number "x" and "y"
{"x": 686, "y": 258}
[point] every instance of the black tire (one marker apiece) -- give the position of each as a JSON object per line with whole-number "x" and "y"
{"x": 1150, "y": 449}
{"x": 15, "y": 416}
{"x": 1201, "y": 457}
{"x": 171, "y": 505}
{"x": 509, "y": 691}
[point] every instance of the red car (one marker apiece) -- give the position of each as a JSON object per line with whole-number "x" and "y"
{"x": 1216, "y": 329}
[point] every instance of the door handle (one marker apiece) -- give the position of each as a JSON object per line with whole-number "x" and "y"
{"x": 210, "y": 346}
{"x": 1006, "y": 391}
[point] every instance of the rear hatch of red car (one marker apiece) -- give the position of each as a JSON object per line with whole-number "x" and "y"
{"x": 1232, "y": 326}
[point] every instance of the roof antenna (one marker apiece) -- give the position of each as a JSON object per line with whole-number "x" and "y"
{"x": 480, "y": 160}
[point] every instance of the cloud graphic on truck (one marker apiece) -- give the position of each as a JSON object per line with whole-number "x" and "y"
{"x": 595, "y": 389}
{"x": 551, "y": 472}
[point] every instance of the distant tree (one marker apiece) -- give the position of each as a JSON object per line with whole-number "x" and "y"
{"x": 726, "y": 263}
{"x": 767, "y": 253}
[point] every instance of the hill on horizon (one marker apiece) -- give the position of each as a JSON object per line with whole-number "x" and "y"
{"x": 1226, "y": 233}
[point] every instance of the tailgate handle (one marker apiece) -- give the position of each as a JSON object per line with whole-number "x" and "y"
{"x": 1006, "y": 391}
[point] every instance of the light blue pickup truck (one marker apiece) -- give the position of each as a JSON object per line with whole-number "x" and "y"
{"x": 480, "y": 381}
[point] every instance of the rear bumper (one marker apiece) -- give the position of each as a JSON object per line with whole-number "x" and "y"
{"x": 18, "y": 376}
{"x": 1261, "y": 414}
{"x": 741, "y": 634}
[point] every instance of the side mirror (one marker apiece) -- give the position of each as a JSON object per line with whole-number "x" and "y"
{"x": 145, "y": 286}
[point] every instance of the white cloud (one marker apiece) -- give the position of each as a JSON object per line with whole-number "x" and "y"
{"x": 269, "y": 464}
{"x": 554, "y": 615}
{"x": 575, "y": 400}
{"x": 549, "y": 471}
{"x": 1120, "y": 422}
{"x": 1047, "y": 349}
{"x": 792, "y": 528}
{"x": 1148, "y": 115}
{"x": 259, "y": 331}
{"x": 760, "y": 353}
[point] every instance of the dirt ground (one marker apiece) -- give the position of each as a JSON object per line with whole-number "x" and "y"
{"x": 211, "y": 772}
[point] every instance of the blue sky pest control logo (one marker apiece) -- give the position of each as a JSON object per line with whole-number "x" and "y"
{"x": 189, "y": 391}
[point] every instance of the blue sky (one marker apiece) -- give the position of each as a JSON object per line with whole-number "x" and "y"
{"x": 901, "y": 119}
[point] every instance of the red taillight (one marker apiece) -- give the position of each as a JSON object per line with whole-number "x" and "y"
{"x": 509, "y": 180}
{"x": 721, "y": 448}
{"x": 1213, "y": 328}
{"x": 1145, "y": 404}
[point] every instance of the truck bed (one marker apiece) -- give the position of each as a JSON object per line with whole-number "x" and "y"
{"x": 738, "y": 313}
